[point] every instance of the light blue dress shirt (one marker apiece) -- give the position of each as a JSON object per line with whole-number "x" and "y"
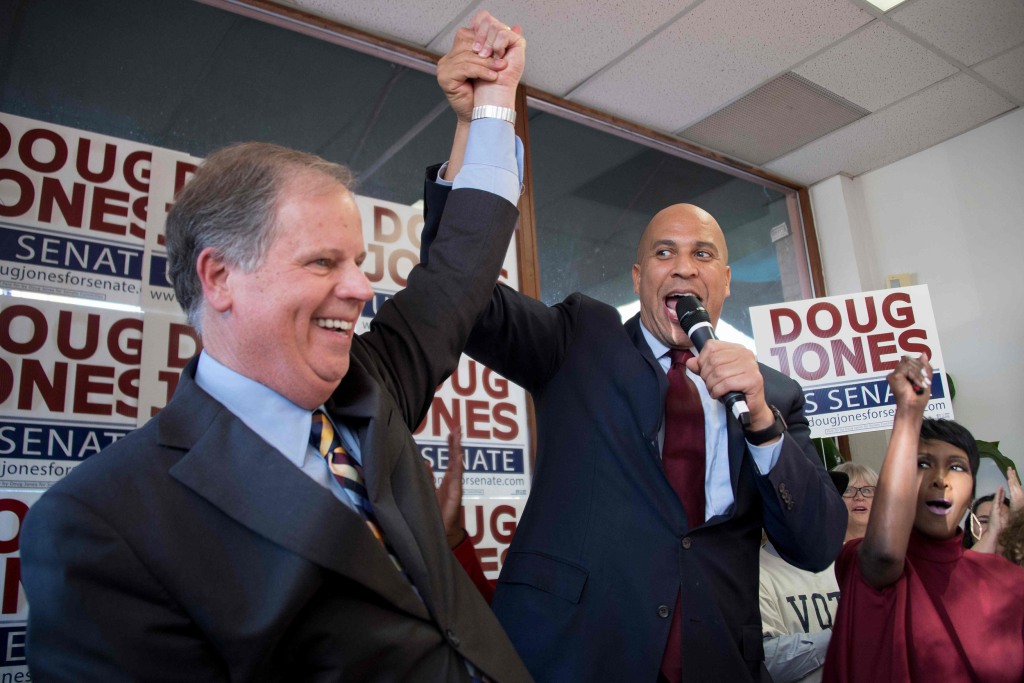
{"x": 718, "y": 496}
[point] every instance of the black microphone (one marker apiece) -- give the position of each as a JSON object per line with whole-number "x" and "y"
{"x": 697, "y": 325}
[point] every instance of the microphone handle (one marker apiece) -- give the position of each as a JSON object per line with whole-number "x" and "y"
{"x": 734, "y": 401}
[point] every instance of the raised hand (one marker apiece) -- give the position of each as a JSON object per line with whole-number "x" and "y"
{"x": 1013, "y": 487}
{"x": 910, "y": 383}
{"x": 497, "y": 38}
{"x": 457, "y": 70}
{"x": 449, "y": 493}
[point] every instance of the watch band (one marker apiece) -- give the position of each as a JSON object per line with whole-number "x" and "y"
{"x": 492, "y": 111}
{"x": 776, "y": 429}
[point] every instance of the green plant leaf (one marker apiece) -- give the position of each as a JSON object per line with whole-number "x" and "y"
{"x": 990, "y": 450}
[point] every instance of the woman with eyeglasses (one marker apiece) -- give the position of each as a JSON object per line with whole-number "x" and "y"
{"x": 858, "y": 497}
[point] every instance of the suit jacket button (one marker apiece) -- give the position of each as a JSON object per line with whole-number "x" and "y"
{"x": 687, "y": 543}
{"x": 663, "y": 611}
{"x": 453, "y": 639}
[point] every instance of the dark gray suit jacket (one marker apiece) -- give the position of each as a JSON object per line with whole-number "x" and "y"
{"x": 603, "y": 546}
{"x": 193, "y": 551}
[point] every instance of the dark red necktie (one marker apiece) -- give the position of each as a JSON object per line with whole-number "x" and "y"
{"x": 682, "y": 456}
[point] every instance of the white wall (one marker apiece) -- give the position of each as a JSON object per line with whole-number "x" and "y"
{"x": 954, "y": 216}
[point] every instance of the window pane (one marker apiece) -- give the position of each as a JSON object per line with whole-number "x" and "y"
{"x": 595, "y": 192}
{"x": 185, "y": 76}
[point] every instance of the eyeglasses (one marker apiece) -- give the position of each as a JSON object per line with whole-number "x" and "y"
{"x": 866, "y": 491}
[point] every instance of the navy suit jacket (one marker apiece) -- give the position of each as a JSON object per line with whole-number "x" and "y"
{"x": 191, "y": 550}
{"x": 603, "y": 546}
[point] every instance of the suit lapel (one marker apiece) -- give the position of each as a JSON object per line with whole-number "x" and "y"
{"x": 360, "y": 404}
{"x": 660, "y": 493}
{"x": 236, "y": 471}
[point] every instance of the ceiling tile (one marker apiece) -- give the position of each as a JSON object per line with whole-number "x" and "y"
{"x": 876, "y": 67}
{"x": 934, "y": 115}
{"x": 714, "y": 54}
{"x": 1007, "y": 72}
{"x": 410, "y": 22}
{"x": 967, "y": 30}
{"x": 780, "y": 116}
{"x": 566, "y": 43}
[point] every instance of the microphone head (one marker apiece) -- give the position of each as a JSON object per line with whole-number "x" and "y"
{"x": 690, "y": 312}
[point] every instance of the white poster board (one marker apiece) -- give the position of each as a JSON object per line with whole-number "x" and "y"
{"x": 841, "y": 348}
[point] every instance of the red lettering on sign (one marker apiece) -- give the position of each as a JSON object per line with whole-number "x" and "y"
{"x": 65, "y": 327}
{"x": 176, "y": 334}
{"x": 907, "y": 343}
{"x": 831, "y": 312}
{"x": 777, "y": 316}
{"x": 478, "y": 417}
{"x": 503, "y": 523}
{"x": 494, "y": 384}
{"x": 87, "y": 382}
{"x": 136, "y": 170}
{"x": 869, "y": 311}
{"x": 387, "y": 227}
{"x": 20, "y": 509}
{"x": 124, "y": 341}
{"x": 39, "y": 329}
{"x": 898, "y": 317}
{"x": 109, "y": 160}
{"x": 71, "y": 209}
{"x": 841, "y": 354}
{"x": 504, "y": 416}
{"x": 26, "y": 193}
{"x": 27, "y": 150}
{"x": 108, "y": 202}
{"x": 880, "y": 345}
{"x": 818, "y": 352}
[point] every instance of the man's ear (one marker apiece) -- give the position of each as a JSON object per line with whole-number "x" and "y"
{"x": 636, "y": 278}
{"x": 214, "y": 276}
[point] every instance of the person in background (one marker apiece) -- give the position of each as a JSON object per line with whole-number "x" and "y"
{"x": 797, "y": 611}
{"x": 1001, "y": 511}
{"x": 1011, "y": 539}
{"x": 916, "y": 605}
{"x": 977, "y": 522}
{"x": 858, "y": 496}
{"x": 274, "y": 522}
{"x": 449, "y": 500}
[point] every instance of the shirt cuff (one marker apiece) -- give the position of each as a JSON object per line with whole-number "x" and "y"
{"x": 493, "y": 161}
{"x": 765, "y": 457}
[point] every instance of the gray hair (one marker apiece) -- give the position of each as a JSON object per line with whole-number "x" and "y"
{"x": 854, "y": 470}
{"x": 230, "y": 205}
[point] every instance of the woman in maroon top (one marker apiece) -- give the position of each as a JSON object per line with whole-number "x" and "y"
{"x": 916, "y": 606}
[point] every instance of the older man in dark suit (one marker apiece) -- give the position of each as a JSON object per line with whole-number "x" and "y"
{"x": 636, "y": 558}
{"x": 274, "y": 522}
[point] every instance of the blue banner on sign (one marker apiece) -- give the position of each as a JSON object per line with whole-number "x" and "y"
{"x": 12, "y": 645}
{"x": 870, "y": 394}
{"x": 479, "y": 460}
{"x": 82, "y": 256}
{"x": 61, "y": 442}
{"x": 373, "y": 305}
{"x": 158, "y": 271}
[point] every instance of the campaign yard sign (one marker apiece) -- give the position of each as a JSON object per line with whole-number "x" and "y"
{"x": 841, "y": 348}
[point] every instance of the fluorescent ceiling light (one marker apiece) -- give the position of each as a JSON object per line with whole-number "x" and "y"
{"x": 886, "y": 5}
{"x": 74, "y": 301}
